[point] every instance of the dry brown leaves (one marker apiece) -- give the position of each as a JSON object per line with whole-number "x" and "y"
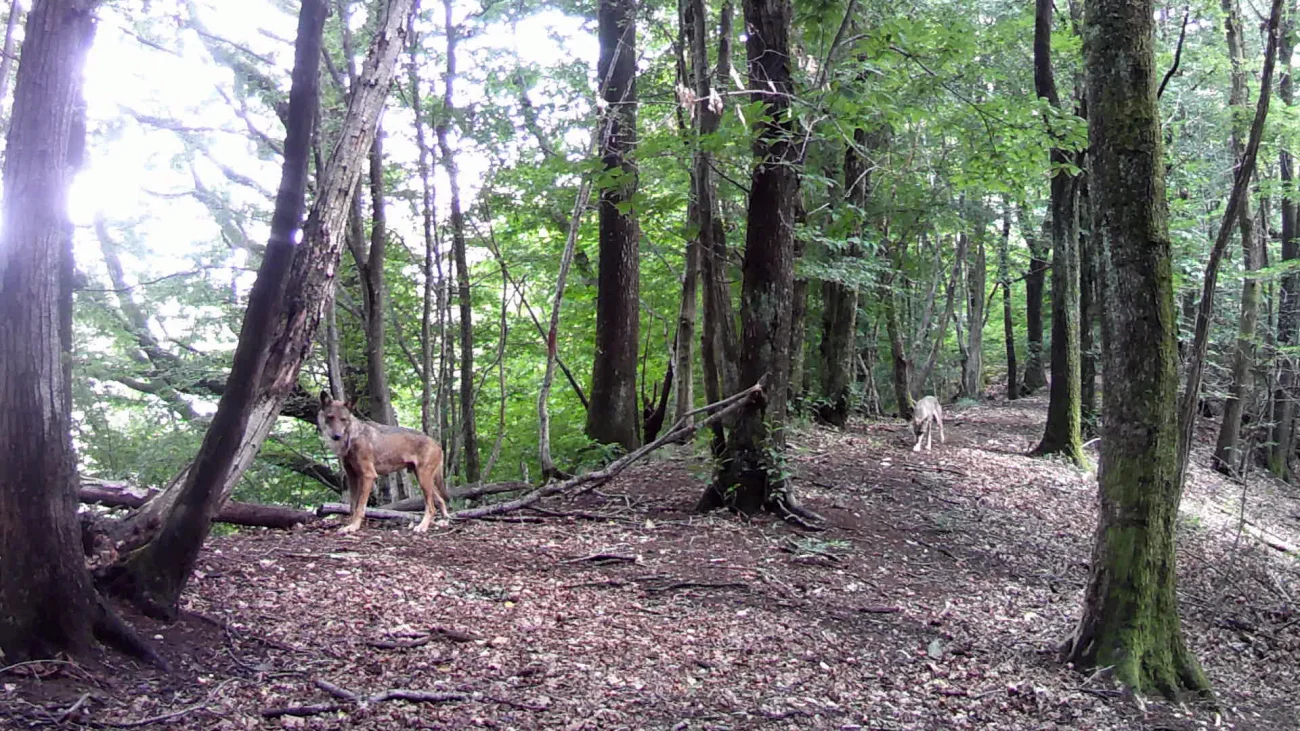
{"x": 937, "y": 600}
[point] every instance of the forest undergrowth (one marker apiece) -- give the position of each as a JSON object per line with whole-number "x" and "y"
{"x": 938, "y": 598}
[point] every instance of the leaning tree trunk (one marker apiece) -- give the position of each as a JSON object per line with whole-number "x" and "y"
{"x": 310, "y": 281}
{"x": 1130, "y": 612}
{"x": 468, "y": 420}
{"x": 1062, "y": 434}
{"x": 1008, "y": 323}
{"x": 6, "y": 60}
{"x": 47, "y": 602}
{"x": 612, "y": 415}
{"x": 1227, "y": 450}
{"x": 749, "y": 476}
{"x": 1288, "y": 316}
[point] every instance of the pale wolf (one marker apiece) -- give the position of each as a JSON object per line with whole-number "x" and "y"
{"x": 925, "y": 415}
{"x": 368, "y": 450}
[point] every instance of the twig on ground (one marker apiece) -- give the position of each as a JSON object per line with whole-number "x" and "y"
{"x": 605, "y": 558}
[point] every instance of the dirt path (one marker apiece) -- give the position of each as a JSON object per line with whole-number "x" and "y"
{"x": 936, "y": 601}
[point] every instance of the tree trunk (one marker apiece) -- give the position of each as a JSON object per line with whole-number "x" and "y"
{"x": 750, "y": 477}
{"x": 1288, "y": 315}
{"x": 902, "y": 365}
{"x": 1089, "y": 304}
{"x": 6, "y": 61}
{"x": 719, "y": 351}
{"x": 1008, "y": 323}
{"x": 1035, "y": 279}
{"x": 972, "y": 376}
{"x": 468, "y": 421}
{"x": 163, "y": 566}
{"x": 428, "y": 408}
{"x": 798, "y": 327}
{"x": 613, "y": 417}
{"x": 840, "y": 299}
{"x": 1130, "y": 612}
{"x": 1062, "y": 434}
{"x": 47, "y": 601}
{"x": 1228, "y": 458}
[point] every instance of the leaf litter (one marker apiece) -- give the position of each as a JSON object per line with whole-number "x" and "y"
{"x": 937, "y": 599}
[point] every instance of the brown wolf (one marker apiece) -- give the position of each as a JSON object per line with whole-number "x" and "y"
{"x": 368, "y": 450}
{"x": 925, "y": 415}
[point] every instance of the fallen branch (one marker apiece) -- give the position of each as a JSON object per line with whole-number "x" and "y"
{"x": 117, "y": 495}
{"x": 680, "y": 432}
{"x": 376, "y": 513}
{"x": 605, "y": 558}
{"x": 393, "y": 694}
{"x": 463, "y": 492}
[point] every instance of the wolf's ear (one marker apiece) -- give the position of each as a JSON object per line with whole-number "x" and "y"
{"x": 325, "y": 398}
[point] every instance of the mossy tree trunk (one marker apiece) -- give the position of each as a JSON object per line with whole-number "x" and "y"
{"x": 1130, "y": 612}
{"x": 1035, "y": 282}
{"x": 1062, "y": 434}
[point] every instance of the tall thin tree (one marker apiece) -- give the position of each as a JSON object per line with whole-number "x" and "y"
{"x": 1062, "y": 434}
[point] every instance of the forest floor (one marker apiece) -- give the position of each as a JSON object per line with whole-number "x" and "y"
{"x": 937, "y": 600}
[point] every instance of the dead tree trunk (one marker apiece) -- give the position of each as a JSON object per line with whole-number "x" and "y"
{"x": 158, "y": 573}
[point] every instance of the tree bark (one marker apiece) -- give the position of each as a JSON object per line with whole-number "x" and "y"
{"x": 468, "y": 420}
{"x": 1288, "y": 315}
{"x": 1063, "y": 434}
{"x": 310, "y": 281}
{"x": 1008, "y": 322}
{"x": 1130, "y": 611}
{"x": 901, "y": 364}
{"x": 750, "y": 476}
{"x": 47, "y": 601}
{"x": 613, "y": 416}
{"x": 1228, "y": 458}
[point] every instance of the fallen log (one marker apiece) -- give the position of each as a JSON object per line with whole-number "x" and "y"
{"x": 463, "y": 492}
{"x": 117, "y": 495}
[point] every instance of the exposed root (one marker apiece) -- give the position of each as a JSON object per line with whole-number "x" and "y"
{"x": 113, "y": 631}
